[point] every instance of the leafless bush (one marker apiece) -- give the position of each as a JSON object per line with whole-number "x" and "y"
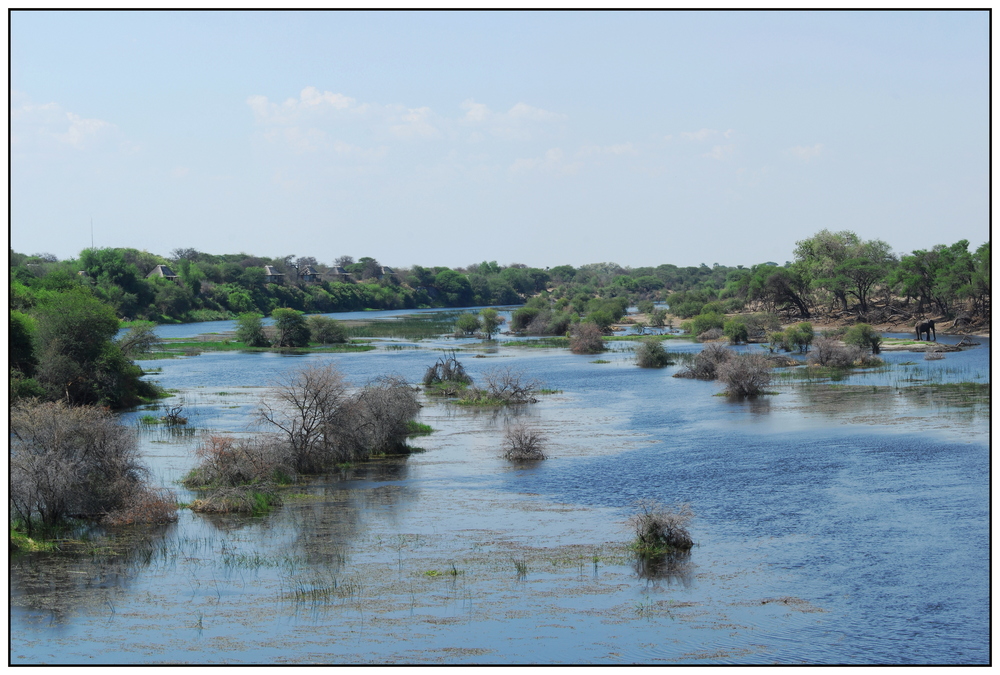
{"x": 832, "y": 354}
{"x": 227, "y": 462}
{"x": 933, "y": 356}
{"x": 78, "y": 462}
{"x": 154, "y": 505}
{"x": 322, "y": 425}
{"x": 711, "y": 334}
{"x": 446, "y": 369}
{"x": 585, "y": 338}
{"x": 659, "y": 529}
{"x": 306, "y": 407}
{"x": 375, "y": 420}
{"x": 521, "y": 443}
{"x": 504, "y": 386}
{"x": 707, "y": 361}
{"x": 745, "y": 374}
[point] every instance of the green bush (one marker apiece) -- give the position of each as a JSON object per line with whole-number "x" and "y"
{"x": 326, "y": 330}
{"x": 467, "y": 324}
{"x": 250, "y": 330}
{"x": 736, "y": 331}
{"x": 864, "y": 336}
{"x": 651, "y": 354}
{"x": 704, "y": 322}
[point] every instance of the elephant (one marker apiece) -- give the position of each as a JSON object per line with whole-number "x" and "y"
{"x": 928, "y": 328}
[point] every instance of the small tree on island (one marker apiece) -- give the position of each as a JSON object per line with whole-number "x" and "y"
{"x": 326, "y": 330}
{"x": 491, "y": 321}
{"x": 291, "y": 327}
{"x": 250, "y": 330}
{"x": 467, "y": 323}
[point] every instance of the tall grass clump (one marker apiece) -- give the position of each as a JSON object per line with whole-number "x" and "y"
{"x": 660, "y": 529}
{"x": 522, "y": 443}
{"x": 651, "y": 354}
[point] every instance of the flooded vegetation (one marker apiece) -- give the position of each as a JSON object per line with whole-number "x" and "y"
{"x": 842, "y": 517}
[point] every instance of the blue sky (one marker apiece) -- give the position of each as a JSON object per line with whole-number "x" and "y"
{"x": 448, "y": 138}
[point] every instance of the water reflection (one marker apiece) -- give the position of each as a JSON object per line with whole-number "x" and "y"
{"x": 673, "y": 567}
{"x": 85, "y": 573}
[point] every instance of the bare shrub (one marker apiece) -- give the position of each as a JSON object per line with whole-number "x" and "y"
{"x": 322, "y": 425}
{"x": 707, "y": 361}
{"x": 711, "y": 334}
{"x": 522, "y": 443}
{"x": 745, "y": 374}
{"x": 503, "y": 386}
{"x": 933, "y": 356}
{"x": 832, "y": 354}
{"x": 585, "y": 338}
{"x": 375, "y": 420}
{"x": 660, "y": 529}
{"x": 227, "y": 462}
{"x": 306, "y": 405}
{"x": 154, "y": 505}
{"x": 446, "y": 369}
{"x": 73, "y": 462}
{"x": 651, "y": 354}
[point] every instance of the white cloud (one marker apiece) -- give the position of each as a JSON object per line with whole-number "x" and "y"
{"x": 720, "y": 151}
{"x": 806, "y": 153}
{"x": 617, "y": 149}
{"x": 48, "y": 124}
{"x": 700, "y": 135}
{"x": 521, "y": 122}
{"x": 310, "y": 100}
{"x": 553, "y": 161}
{"x": 415, "y": 123}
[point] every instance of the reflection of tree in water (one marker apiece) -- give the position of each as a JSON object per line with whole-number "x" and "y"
{"x": 334, "y": 515}
{"x": 84, "y": 573}
{"x": 671, "y": 567}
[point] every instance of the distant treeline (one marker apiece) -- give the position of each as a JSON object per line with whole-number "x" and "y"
{"x": 64, "y": 315}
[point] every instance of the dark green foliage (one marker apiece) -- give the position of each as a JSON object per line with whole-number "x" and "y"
{"x": 21, "y": 344}
{"x": 736, "y": 331}
{"x": 704, "y": 322}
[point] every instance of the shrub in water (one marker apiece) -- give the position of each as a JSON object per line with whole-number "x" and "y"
{"x": 745, "y": 374}
{"x": 78, "y": 462}
{"x": 522, "y": 443}
{"x": 585, "y": 338}
{"x": 736, "y": 330}
{"x": 707, "y": 361}
{"x": 659, "y": 529}
{"x": 651, "y": 354}
{"x": 864, "y": 336}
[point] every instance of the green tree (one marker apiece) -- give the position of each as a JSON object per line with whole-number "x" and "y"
{"x": 491, "y": 321}
{"x": 291, "y": 328}
{"x": 326, "y": 330}
{"x": 467, "y": 323}
{"x": 250, "y": 330}
{"x": 864, "y": 336}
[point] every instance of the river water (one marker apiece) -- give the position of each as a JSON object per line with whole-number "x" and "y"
{"x": 835, "y": 524}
